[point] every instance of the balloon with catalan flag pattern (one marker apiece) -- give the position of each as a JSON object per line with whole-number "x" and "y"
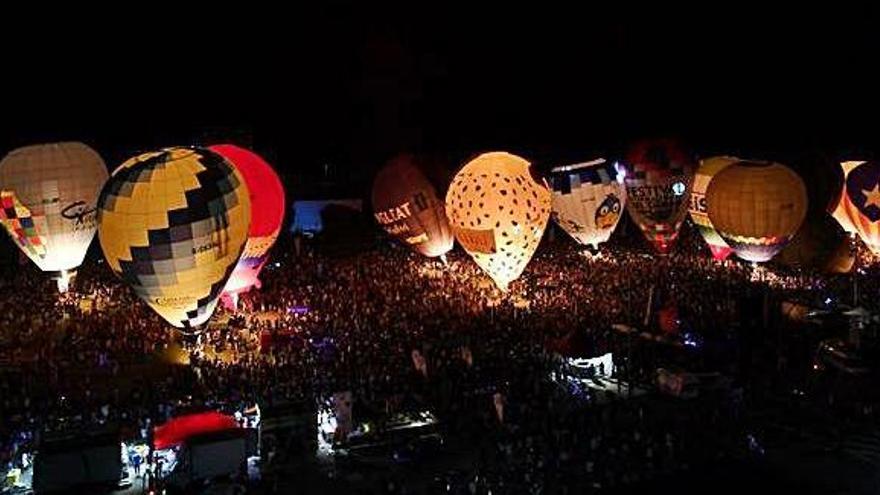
{"x": 698, "y": 210}
{"x": 173, "y": 224}
{"x": 498, "y": 213}
{"x": 47, "y": 203}
{"x": 267, "y": 214}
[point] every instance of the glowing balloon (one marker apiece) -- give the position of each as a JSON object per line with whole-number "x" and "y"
{"x": 267, "y": 214}
{"x": 698, "y": 211}
{"x": 173, "y": 224}
{"x": 588, "y": 200}
{"x": 47, "y": 203}
{"x": 858, "y": 207}
{"x": 406, "y": 205}
{"x": 757, "y": 207}
{"x": 659, "y": 177}
{"x": 498, "y": 213}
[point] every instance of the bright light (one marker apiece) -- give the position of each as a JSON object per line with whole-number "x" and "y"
{"x": 827, "y": 300}
{"x": 678, "y": 188}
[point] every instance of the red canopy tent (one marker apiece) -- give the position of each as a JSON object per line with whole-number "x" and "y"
{"x": 179, "y": 429}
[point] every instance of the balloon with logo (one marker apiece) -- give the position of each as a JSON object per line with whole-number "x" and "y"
{"x": 498, "y": 213}
{"x": 407, "y": 207}
{"x": 588, "y": 200}
{"x": 659, "y": 178}
{"x": 858, "y": 205}
{"x": 698, "y": 211}
{"x": 47, "y": 203}
{"x": 757, "y": 207}
{"x": 173, "y": 224}
{"x": 266, "y": 194}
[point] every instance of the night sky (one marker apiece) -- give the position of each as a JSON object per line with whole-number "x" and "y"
{"x": 349, "y": 87}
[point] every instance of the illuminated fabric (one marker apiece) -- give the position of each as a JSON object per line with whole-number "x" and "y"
{"x": 698, "y": 211}
{"x": 659, "y": 178}
{"x": 266, "y": 194}
{"x": 173, "y": 224}
{"x": 406, "y": 205}
{"x": 47, "y": 202}
{"x": 588, "y": 200}
{"x": 498, "y": 213}
{"x": 178, "y": 430}
{"x": 757, "y": 207}
{"x": 858, "y": 206}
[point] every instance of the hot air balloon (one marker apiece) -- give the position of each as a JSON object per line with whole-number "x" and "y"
{"x": 659, "y": 177}
{"x": 858, "y": 206}
{"x": 173, "y": 224}
{"x": 47, "y": 203}
{"x": 756, "y": 207}
{"x": 708, "y": 168}
{"x": 406, "y": 205}
{"x": 819, "y": 245}
{"x": 267, "y": 214}
{"x": 498, "y": 213}
{"x": 588, "y": 200}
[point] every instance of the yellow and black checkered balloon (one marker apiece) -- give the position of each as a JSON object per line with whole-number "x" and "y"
{"x": 172, "y": 224}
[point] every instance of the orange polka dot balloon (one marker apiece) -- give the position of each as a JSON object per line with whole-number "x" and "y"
{"x": 498, "y": 213}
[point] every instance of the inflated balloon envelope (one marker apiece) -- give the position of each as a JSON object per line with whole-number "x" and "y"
{"x": 708, "y": 169}
{"x": 757, "y": 207}
{"x": 48, "y": 194}
{"x": 858, "y": 206}
{"x": 658, "y": 182}
{"x": 406, "y": 205}
{"x": 266, "y": 194}
{"x": 588, "y": 200}
{"x": 172, "y": 224}
{"x": 498, "y": 213}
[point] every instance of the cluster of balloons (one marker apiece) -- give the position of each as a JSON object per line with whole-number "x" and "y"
{"x": 498, "y": 212}
{"x": 181, "y": 225}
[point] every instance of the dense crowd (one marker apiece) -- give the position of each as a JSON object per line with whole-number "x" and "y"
{"x": 98, "y": 356}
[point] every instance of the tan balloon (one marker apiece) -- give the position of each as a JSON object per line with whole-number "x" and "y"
{"x": 498, "y": 213}
{"x": 757, "y": 207}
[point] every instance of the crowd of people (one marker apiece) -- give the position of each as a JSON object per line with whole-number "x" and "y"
{"x": 97, "y": 356}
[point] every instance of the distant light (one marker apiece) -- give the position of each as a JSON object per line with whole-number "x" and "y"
{"x": 277, "y": 264}
{"x": 827, "y": 300}
{"x": 678, "y": 188}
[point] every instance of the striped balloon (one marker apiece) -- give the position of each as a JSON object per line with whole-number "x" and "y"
{"x": 698, "y": 210}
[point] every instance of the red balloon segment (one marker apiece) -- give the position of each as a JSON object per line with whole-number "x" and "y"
{"x": 267, "y": 215}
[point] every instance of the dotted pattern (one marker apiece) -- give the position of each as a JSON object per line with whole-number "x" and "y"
{"x": 757, "y": 207}
{"x": 173, "y": 224}
{"x": 498, "y": 213}
{"x": 50, "y": 191}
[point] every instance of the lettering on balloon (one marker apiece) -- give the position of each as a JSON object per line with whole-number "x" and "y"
{"x": 206, "y": 247}
{"x": 394, "y": 214}
{"x": 83, "y": 216}
{"x": 476, "y": 241}
{"x": 657, "y": 202}
{"x": 172, "y": 301}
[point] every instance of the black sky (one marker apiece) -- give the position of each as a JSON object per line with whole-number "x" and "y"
{"x": 351, "y": 86}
